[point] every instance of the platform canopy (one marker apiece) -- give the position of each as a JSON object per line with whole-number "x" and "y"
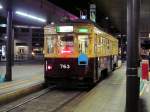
{"x": 41, "y": 9}
{"x": 110, "y": 13}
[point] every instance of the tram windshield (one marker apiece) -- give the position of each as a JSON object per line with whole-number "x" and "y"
{"x": 60, "y": 44}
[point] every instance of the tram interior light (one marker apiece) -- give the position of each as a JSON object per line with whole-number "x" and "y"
{"x": 30, "y": 16}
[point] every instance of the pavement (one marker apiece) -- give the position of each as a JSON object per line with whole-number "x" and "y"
{"x": 144, "y": 102}
{"x": 107, "y": 96}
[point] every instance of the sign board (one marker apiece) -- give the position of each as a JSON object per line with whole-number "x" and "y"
{"x": 64, "y": 29}
{"x": 49, "y": 30}
{"x": 93, "y": 12}
{"x": 83, "y": 30}
{"x": 82, "y": 59}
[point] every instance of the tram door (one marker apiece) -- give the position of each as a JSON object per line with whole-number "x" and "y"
{"x": 83, "y": 43}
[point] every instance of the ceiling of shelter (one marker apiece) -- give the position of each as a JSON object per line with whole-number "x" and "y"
{"x": 38, "y": 8}
{"x": 115, "y": 10}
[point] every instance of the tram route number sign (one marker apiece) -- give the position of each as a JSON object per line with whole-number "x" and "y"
{"x": 65, "y": 66}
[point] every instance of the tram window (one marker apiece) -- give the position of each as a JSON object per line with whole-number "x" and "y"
{"x": 67, "y": 44}
{"x": 67, "y": 38}
{"x": 83, "y": 43}
{"x": 50, "y": 47}
{"x": 60, "y": 44}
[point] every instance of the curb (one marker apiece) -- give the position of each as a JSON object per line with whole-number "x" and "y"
{"x": 16, "y": 94}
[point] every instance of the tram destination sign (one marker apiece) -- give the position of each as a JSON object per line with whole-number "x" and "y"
{"x": 64, "y": 29}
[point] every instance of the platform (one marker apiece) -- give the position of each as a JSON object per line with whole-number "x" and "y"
{"x": 109, "y": 96}
{"x": 24, "y": 78}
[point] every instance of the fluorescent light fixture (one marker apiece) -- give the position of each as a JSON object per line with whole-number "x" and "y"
{"x": 30, "y": 16}
{"x": 25, "y": 26}
{"x": 3, "y": 25}
{"x": 1, "y": 7}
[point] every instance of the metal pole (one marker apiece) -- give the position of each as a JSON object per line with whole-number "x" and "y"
{"x": 12, "y": 49}
{"x": 8, "y": 76}
{"x": 132, "y": 86}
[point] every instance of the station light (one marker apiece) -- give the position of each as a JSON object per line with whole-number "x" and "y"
{"x": 3, "y": 25}
{"x": 1, "y": 7}
{"x": 30, "y": 16}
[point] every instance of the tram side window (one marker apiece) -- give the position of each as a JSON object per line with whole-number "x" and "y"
{"x": 83, "y": 43}
{"x": 51, "y": 40}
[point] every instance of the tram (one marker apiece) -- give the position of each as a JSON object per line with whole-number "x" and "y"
{"x": 78, "y": 51}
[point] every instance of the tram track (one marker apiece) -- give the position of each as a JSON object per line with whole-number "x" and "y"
{"x": 65, "y": 103}
{"x": 45, "y": 91}
{"x": 64, "y": 100}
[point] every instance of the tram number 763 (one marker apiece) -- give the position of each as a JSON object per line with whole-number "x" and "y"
{"x": 64, "y": 66}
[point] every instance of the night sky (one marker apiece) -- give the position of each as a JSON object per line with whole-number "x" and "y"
{"x": 74, "y": 7}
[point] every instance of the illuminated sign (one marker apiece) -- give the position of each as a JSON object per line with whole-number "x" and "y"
{"x": 93, "y": 12}
{"x": 82, "y": 59}
{"x": 64, "y": 29}
{"x": 83, "y": 17}
{"x": 83, "y": 30}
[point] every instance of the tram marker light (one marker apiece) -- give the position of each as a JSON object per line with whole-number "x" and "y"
{"x": 49, "y": 67}
{"x": 83, "y": 30}
{"x": 30, "y": 16}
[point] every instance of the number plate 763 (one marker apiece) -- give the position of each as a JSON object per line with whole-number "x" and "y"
{"x": 65, "y": 66}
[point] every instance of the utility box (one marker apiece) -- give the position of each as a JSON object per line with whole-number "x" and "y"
{"x": 145, "y": 69}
